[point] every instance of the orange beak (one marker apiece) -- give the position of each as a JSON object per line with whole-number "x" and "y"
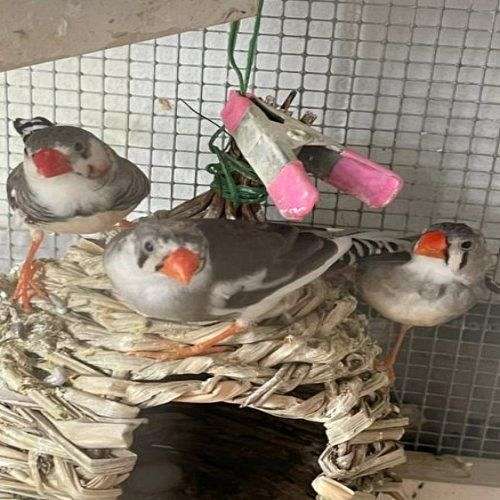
{"x": 432, "y": 244}
{"x": 181, "y": 265}
{"x": 51, "y": 162}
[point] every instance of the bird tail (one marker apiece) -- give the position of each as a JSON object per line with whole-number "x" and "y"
{"x": 374, "y": 243}
{"x": 354, "y": 245}
{"x": 26, "y": 127}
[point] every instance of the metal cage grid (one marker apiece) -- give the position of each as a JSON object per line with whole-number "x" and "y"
{"x": 411, "y": 83}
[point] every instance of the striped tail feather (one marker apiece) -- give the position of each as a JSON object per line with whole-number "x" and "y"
{"x": 368, "y": 244}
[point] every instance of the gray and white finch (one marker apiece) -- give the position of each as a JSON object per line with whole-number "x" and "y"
{"x": 439, "y": 276}
{"x": 69, "y": 182}
{"x": 210, "y": 270}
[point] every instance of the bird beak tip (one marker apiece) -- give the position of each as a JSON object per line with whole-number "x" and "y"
{"x": 432, "y": 244}
{"x": 181, "y": 265}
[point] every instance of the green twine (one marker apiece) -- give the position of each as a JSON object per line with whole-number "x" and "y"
{"x": 228, "y": 165}
{"x": 224, "y": 182}
{"x": 252, "y": 48}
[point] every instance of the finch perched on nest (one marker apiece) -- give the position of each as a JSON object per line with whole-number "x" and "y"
{"x": 69, "y": 182}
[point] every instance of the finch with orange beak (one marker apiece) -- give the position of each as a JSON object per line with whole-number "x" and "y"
{"x": 438, "y": 277}
{"x": 211, "y": 270}
{"x": 69, "y": 182}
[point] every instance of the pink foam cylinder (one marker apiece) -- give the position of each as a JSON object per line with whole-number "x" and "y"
{"x": 292, "y": 192}
{"x": 368, "y": 181}
{"x": 234, "y": 110}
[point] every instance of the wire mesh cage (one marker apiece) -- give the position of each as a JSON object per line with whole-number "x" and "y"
{"x": 411, "y": 83}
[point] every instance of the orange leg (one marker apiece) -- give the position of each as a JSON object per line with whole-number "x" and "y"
{"x": 387, "y": 364}
{"x": 175, "y": 351}
{"x": 27, "y": 286}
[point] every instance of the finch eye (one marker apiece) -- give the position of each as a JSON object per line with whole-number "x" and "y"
{"x": 148, "y": 246}
{"x": 466, "y": 245}
{"x": 78, "y": 146}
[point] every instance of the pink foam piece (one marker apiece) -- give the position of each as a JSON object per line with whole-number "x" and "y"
{"x": 368, "y": 181}
{"x": 234, "y": 110}
{"x": 292, "y": 192}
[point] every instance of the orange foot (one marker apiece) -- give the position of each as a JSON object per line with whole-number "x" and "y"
{"x": 175, "y": 351}
{"x": 28, "y": 286}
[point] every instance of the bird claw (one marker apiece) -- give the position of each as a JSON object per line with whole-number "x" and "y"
{"x": 27, "y": 286}
{"x": 175, "y": 351}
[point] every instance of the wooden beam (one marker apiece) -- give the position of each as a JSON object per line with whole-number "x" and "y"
{"x": 35, "y": 31}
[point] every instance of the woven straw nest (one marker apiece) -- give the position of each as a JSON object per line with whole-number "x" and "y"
{"x": 71, "y": 393}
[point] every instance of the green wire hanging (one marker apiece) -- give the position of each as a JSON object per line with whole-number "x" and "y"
{"x": 228, "y": 165}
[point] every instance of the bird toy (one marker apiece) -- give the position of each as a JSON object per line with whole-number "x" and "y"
{"x": 270, "y": 148}
{"x": 282, "y": 150}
